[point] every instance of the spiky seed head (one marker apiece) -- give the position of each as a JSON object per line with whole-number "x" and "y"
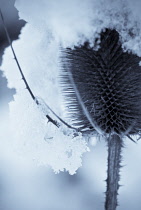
{"x": 109, "y": 83}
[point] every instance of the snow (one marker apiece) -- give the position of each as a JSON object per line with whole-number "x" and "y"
{"x": 50, "y": 26}
{"x": 73, "y": 22}
{"x": 39, "y": 140}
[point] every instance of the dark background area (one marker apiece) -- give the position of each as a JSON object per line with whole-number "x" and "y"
{"x": 14, "y": 26}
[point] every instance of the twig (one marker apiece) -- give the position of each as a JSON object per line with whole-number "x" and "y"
{"x": 26, "y": 83}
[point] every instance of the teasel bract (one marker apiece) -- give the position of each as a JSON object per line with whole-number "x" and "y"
{"x": 102, "y": 91}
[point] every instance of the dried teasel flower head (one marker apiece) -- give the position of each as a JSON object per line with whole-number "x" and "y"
{"x": 108, "y": 82}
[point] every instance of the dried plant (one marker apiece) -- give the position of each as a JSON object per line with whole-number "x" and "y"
{"x": 102, "y": 88}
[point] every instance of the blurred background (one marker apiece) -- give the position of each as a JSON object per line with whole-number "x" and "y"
{"x": 24, "y": 186}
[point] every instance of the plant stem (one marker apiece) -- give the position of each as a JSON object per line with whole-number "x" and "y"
{"x": 26, "y": 83}
{"x": 113, "y": 177}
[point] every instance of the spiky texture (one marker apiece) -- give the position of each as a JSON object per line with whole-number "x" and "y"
{"x": 103, "y": 92}
{"x": 109, "y": 83}
{"x": 113, "y": 177}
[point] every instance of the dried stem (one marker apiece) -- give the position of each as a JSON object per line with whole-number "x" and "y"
{"x": 27, "y": 85}
{"x": 113, "y": 177}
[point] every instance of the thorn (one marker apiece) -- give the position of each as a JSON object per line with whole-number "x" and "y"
{"x": 139, "y": 138}
{"x": 123, "y": 166}
{"x": 131, "y": 139}
{"x": 120, "y": 185}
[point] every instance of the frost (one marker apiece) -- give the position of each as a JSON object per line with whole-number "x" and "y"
{"x": 52, "y": 25}
{"x": 38, "y": 140}
{"x": 44, "y": 108}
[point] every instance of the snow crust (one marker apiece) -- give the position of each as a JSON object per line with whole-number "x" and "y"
{"x": 52, "y": 25}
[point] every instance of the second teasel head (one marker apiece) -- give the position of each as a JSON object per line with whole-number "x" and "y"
{"x": 108, "y": 82}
